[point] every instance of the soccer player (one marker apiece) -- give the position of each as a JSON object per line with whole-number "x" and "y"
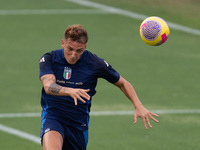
{"x": 69, "y": 77}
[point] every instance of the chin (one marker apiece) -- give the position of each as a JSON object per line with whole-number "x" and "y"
{"x": 72, "y": 62}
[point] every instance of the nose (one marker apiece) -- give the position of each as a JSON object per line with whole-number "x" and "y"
{"x": 73, "y": 54}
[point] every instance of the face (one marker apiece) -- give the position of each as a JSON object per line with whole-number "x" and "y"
{"x": 72, "y": 50}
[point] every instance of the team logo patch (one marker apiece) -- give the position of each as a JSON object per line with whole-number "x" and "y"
{"x": 67, "y": 73}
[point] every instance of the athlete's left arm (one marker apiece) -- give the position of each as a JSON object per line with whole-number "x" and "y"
{"x": 140, "y": 110}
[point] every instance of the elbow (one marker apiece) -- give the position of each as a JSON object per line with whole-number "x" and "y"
{"x": 46, "y": 89}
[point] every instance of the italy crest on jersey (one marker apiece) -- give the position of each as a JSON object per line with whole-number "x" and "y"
{"x": 67, "y": 73}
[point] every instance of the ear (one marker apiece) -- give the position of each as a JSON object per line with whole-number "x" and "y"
{"x": 62, "y": 43}
{"x": 85, "y": 46}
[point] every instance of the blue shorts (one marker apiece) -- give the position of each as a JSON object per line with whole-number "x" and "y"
{"x": 73, "y": 139}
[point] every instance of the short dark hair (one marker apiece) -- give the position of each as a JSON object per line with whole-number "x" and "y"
{"x": 76, "y": 33}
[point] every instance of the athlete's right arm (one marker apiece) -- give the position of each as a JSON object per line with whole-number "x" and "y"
{"x": 50, "y": 87}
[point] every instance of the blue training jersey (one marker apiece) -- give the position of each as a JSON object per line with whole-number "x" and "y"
{"x": 83, "y": 74}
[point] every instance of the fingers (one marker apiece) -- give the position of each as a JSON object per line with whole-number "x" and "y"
{"x": 75, "y": 101}
{"x": 148, "y": 122}
{"x": 144, "y": 122}
{"x": 78, "y": 97}
{"x": 135, "y": 119}
{"x": 85, "y": 94}
{"x": 154, "y": 114}
{"x": 145, "y": 119}
{"x": 151, "y": 116}
{"x": 80, "y": 94}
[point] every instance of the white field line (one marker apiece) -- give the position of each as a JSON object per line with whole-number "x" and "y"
{"x": 19, "y": 115}
{"x": 19, "y": 133}
{"x": 52, "y": 11}
{"x": 104, "y": 113}
{"x": 36, "y": 139}
{"x": 133, "y": 15}
{"x": 114, "y": 113}
{"x": 102, "y": 9}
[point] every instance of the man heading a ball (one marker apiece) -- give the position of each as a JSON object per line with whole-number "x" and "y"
{"x": 69, "y": 77}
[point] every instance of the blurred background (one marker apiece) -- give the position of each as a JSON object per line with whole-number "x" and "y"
{"x": 166, "y": 77}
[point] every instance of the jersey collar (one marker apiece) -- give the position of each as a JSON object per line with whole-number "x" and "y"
{"x": 64, "y": 57}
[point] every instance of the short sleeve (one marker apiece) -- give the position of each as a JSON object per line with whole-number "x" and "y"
{"x": 105, "y": 70}
{"x": 45, "y": 65}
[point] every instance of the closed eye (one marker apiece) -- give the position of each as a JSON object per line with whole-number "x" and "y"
{"x": 80, "y": 50}
{"x": 69, "y": 48}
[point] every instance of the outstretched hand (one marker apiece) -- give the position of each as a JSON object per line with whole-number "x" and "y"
{"x": 143, "y": 113}
{"x": 79, "y": 94}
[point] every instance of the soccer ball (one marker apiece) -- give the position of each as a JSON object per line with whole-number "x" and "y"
{"x": 154, "y": 31}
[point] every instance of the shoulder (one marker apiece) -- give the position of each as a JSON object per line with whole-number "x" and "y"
{"x": 51, "y": 55}
{"x": 94, "y": 59}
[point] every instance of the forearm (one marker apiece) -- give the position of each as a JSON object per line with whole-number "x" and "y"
{"x": 140, "y": 110}
{"x": 55, "y": 89}
{"x": 129, "y": 91}
{"x": 52, "y": 88}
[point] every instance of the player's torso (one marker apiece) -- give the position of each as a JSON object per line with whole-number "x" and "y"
{"x": 80, "y": 75}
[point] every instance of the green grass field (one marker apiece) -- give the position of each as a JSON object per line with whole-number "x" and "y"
{"x": 165, "y": 77}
